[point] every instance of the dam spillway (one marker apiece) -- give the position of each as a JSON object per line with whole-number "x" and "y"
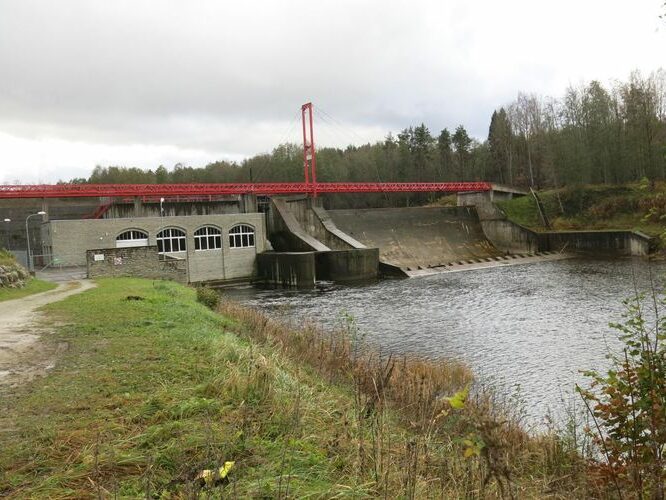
{"x": 418, "y": 237}
{"x": 358, "y": 244}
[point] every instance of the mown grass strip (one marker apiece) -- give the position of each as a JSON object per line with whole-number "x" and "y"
{"x": 33, "y": 286}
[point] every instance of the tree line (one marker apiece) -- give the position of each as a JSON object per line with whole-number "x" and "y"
{"x": 592, "y": 134}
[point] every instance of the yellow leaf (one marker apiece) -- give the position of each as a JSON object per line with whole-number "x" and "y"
{"x": 457, "y": 401}
{"x": 225, "y": 469}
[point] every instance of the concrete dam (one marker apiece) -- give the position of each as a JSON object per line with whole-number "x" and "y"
{"x": 311, "y": 243}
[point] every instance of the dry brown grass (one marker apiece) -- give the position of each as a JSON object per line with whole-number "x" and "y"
{"x": 477, "y": 451}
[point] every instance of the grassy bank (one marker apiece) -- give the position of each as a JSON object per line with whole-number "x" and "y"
{"x": 637, "y": 206}
{"x": 153, "y": 390}
{"x": 33, "y": 286}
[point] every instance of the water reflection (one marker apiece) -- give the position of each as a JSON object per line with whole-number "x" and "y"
{"x": 530, "y": 326}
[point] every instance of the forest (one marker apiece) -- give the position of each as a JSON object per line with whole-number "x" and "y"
{"x": 592, "y": 134}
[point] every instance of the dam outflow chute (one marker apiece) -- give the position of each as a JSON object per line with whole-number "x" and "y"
{"x": 419, "y": 238}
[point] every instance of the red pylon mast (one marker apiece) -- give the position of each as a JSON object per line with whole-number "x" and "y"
{"x": 309, "y": 155}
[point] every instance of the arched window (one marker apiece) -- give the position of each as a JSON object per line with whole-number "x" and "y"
{"x": 132, "y": 238}
{"x": 241, "y": 236}
{"x": 207, "y": 238}
{"x": 171, "y": 240}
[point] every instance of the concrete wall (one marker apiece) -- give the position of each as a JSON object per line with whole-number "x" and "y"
{"x": 347, "y": 265}
{"x": 333, "y": 236}
{"x": 513, "y": 238}
{"x": 596, "y": 242}
{"x": 174, "y": 209}
{"x": 69, "y": 240}
{"x": 315, "y": 220}
{"x": 142, "y": 262}
{"x": 287, "y": 269}
{"x": 300, "y": 224}
{"x": 475, "y": 199}
{"x": 285, "y": 231}
{"x": 12, "y": 234}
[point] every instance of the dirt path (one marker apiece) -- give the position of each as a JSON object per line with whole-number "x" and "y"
{"x": 22, "y": 358}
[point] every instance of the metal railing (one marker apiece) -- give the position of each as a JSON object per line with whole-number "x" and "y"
{"x": 42, "y": 262}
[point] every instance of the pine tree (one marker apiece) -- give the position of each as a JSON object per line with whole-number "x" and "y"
{"x": 445, "y": 160}
{"x": 499, "y": 143}
{"x": 461, "y": 144}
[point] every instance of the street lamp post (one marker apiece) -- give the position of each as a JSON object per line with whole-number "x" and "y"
{"x": 31, "y": 266}
{"x": 9, "y": 243}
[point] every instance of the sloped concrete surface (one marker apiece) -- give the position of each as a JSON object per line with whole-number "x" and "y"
{"x": 418, "y": 237}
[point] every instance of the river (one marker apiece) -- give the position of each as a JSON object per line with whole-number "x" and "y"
{"x": 526, "y": 329}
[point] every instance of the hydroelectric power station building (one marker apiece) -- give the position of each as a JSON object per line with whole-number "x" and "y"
{"x": 188, "y": 248}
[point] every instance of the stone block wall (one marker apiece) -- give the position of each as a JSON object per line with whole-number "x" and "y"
{"x": 140, "y": 262}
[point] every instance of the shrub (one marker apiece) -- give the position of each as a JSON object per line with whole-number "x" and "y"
{"x": 628, "y": 407}
{"x": 208, "y": 297}
{"x": 611, "y": 206}
{"x": 654, "y": 207}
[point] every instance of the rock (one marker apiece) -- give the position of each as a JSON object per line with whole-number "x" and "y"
{"x": 13, "y": 276}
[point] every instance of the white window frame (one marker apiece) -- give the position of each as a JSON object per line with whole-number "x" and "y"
{"x": 176, "y": 238}
{"x": 133, "y": 240}
{"x": 207, "y": 238}
{"x": 242, "y": 236}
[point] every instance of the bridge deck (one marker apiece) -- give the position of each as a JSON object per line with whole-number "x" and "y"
{"x": 272, "y": 188}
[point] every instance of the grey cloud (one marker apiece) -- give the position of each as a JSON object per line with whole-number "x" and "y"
{"x": 227, "y": 77}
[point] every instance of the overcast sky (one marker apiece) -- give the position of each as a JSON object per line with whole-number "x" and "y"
{"x": 144, "y": 83}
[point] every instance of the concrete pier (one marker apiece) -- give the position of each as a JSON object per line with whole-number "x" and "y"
{"x": 287, "y": 269}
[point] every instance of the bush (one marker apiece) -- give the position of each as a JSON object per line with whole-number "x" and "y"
{"x": 628, "y": 407}
{"x": 611, "y": 206}
{"x": 208, "y": 297}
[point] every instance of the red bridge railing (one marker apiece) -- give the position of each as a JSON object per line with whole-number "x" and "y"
{"x": 267, "y": 188}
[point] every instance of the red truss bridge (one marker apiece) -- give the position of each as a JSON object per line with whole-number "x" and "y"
{"x": 310, "y": 186}
{"x": 266, "y": 188}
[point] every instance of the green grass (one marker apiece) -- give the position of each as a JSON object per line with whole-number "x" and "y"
{"x": 153, "y": 391}
{"x": 523, "y": 211}
{"x": 6, "y": 257}
{"x": 33, "y": 286}
{"x": 635, "y": 207}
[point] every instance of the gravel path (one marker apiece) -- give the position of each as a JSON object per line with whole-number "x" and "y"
{"x": 22, "y": 357}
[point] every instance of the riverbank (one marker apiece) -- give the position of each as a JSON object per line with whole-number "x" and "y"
{"x": 636, "y": 206}
{"x": 154, "y": 388}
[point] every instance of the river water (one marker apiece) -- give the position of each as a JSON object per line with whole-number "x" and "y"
{"x": 526, "y": 329}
